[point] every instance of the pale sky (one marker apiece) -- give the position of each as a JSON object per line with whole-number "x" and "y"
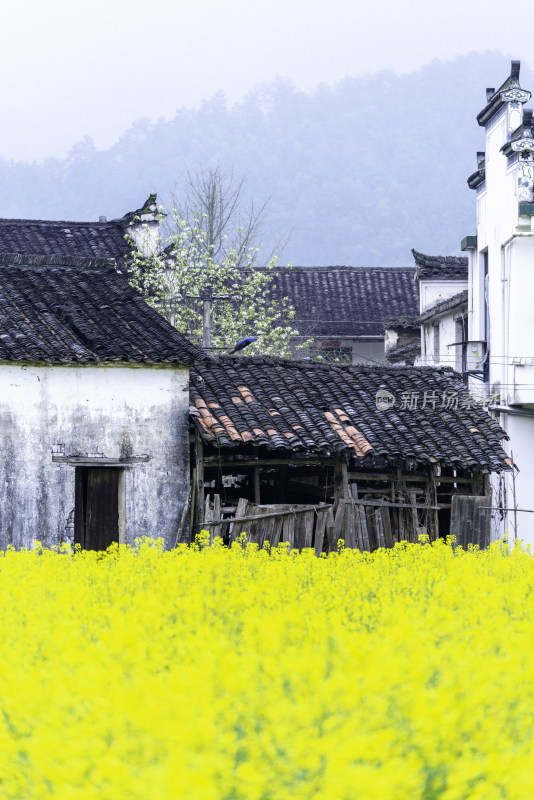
{"x": 71, "y": 68}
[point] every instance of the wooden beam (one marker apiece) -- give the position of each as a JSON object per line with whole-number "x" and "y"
{"x": 183, "y": 517}
{"x": 250, "y": 517}
{"x": 97, "y": 461}
{"x": 338, "y": 479}
{"x": 213, "y": 463}
{"x": 397, "y": 505}
{"x": 415, "y": 477}
{"x": 199, "y": 464}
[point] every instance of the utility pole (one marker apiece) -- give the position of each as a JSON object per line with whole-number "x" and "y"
{"x": 206, "y": 323}
{"x": 207, "y": 300}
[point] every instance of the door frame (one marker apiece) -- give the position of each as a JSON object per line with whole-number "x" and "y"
{"x": 121, "y": 496}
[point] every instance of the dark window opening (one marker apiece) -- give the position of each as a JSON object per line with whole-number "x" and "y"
{"x": 96, "y": 507}
{"x": 486, "y": 316}
{"x": 436, "y": 343}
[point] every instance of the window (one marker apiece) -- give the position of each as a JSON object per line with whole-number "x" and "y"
{"x": 461, "y": 349}
{"x": 436, "y": 343}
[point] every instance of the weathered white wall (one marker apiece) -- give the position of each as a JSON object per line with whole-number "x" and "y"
{"x": 432, "y": 292}
{"x": 447, "y": 335}
{"x": 145, "y": 235}
{"x": 114, "y": 410}
{"x": 521, "y": 446}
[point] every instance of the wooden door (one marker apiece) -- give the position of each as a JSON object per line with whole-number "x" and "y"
{"x": 96, "y": 514}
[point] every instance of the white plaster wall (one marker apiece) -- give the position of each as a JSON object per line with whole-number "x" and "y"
{"x": 432, "y": 292}
{"x": 509, "y": 243}
{"x": 146, "y": 236}
{"x": 521, "y": 445}
{"x": 114, "y": 410}
{"x": 447, "y": 335}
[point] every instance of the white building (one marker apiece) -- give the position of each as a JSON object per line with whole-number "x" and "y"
{"x": 442, "y": 310}
{"x": 93, "y": 407}
{"x": 500, "y": 353}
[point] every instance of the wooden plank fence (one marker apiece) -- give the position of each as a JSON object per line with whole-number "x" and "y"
{"x": 361, "y": 524}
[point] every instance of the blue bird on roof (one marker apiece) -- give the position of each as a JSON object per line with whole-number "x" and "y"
{"x": 242, "y": 344}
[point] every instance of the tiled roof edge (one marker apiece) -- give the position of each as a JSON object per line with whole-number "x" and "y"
{"x": 444, "y": 305}
{"x": 66, "y": 262}
{"x": 342, "y": 267}
{"x": 116, "y": 223}
{"x": 295, "y": 363}
{"x": 422, "y": 260}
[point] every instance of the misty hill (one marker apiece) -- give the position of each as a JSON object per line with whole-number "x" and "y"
{"x": 359, "y": 173}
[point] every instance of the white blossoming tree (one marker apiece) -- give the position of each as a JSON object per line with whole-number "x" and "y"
{"x": 183, "y": 273}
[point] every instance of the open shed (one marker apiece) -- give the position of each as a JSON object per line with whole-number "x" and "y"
{"x": 321, "y": 451}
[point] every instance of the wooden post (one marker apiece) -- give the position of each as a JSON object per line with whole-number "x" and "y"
{"x": 330, "y": 529}
{"x": 345, "y": 480}
{"x": 192, "y": 519}
{"x": 341, "y": 480}
{"x": 320, "y": 527}
{"x": 386, "y": 526}
{"x": 433, "y": 519}
{"x": 216, "y": 527}
{"x": 257, "y": 494}
{"x": 308, "y": 520}
{"x": 183, "y": 517}
{"x": 236, "y": 527}
{"x": 199, "y": 458}
{"x": 208, "y": 517}
{"x": 338, "y": 524}
{"x": 414, "y": 517}
{"x": 349, "y": 528}
{"x": 206, "y": 324}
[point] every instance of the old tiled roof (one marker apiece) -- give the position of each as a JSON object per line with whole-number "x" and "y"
{"x": 80, "y": 239}
{"x": 324, "y": 408}
{"x": 45, "y": 237}
{"x": 443, "y": 306}
{"x": 83, "y": 312}
{"x": 405, "y": 352}
{"x": 346, "y": 301}
{"x": 452, "y": 268}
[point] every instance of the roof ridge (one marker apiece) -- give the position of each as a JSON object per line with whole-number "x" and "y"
{"x": 22, "y": 260}
{"x": 330, "y": 268}
{"x": 461, "y": 260}
{"x": 327, "y": 365}
{"x": 59, "y": 222}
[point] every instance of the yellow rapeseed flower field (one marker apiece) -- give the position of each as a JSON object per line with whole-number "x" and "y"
{"x": 214, "y": 674}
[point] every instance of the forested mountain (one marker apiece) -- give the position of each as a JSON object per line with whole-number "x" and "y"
{"x": 359, "y": 173}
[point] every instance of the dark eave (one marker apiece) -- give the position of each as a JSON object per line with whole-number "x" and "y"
{"x": 444, "y": 306}
{"x": 477, "y": 178}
